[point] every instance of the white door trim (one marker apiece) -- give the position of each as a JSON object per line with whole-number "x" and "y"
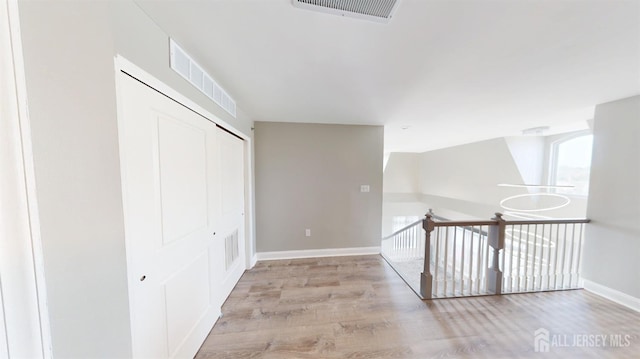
{"x": 23, "y": 289}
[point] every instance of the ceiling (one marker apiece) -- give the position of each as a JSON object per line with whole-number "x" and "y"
{"x": 440, "y": 73}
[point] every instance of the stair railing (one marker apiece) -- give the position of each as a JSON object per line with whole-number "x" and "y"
{"x": 467, "y": 258}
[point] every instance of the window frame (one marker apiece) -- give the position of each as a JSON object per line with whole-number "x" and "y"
{"x": 553, "y": 159}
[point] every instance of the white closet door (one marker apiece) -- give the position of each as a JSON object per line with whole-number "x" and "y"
{"x": 169, "y": 159}
{"x": 232, "y": 222}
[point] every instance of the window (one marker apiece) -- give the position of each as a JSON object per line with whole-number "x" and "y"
{"x": 571, "y": 164}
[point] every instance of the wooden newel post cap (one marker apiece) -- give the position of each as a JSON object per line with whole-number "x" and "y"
{"x": 428, "y": 224}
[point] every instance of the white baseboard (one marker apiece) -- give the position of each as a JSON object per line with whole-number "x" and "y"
{"x": 313, "y": 253}
{"x": 253, "y": 261}
{"x": 612, "y": 294}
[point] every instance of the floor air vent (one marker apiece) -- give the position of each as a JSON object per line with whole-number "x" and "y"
{"x": 375, "y": 10}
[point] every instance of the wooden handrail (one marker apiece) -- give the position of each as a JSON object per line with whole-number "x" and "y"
{"x": 494, "y": 222}
{"x": 495, "y": 252}
{"x": 464, "y": 223}
{"x": 549, "y": 221}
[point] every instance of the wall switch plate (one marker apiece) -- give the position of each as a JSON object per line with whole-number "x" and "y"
{"x": 364, "y": 188}
{"x": 307, "y": 232}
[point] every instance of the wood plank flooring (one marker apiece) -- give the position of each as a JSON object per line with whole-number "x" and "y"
{"x": 358, "y": 307}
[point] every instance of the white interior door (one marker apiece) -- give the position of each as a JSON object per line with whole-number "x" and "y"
{"x": 169, "y": 158}
{"x": 232, "y": 220}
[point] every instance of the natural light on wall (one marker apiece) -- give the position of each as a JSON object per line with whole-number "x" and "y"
{"x": 571, "y": 165}
{"x": 568, "y": 181}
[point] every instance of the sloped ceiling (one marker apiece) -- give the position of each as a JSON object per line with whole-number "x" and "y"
{"x": 449, "y": 71}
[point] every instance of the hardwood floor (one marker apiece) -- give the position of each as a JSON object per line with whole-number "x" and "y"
{"x": 358, "y": 307}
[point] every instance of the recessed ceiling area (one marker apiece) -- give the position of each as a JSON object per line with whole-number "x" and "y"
{"x": 450, "y": 72}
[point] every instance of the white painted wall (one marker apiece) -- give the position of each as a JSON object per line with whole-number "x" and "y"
{"x": 528, "y": 153}
{"x": 24, "y": 326}
{"x": 612, "y": 243}
{"x": 70, "y": 82}
{"x": 69, "y": 49}
{"x": 401, "y": 173}
{"x": 461, "y": 182}
{"x": 469, "y": 172}
{"x": 137, "y": 38}
{"x": 458, "y": 182}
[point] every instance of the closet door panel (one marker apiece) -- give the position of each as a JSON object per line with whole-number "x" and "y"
{"x": 169, "y": 157}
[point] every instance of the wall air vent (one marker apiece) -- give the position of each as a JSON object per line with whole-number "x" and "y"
{"x": 375, "y": 10}
{"x": 184, "y": 65}
{"x": 231, "y": 249}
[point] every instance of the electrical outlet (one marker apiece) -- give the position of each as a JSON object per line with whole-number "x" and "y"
{"x": 307, "y": 232}
{"x": 364, "y": 188}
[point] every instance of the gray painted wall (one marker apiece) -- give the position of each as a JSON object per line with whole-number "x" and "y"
{"x": 69, "y": 48}
{"x": 612, "y": 243}
{"x": 309, "y": 176}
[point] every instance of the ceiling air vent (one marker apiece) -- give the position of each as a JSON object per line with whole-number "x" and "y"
{"x": 375, "y": 10}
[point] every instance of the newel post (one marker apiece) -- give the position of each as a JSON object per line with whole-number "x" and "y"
{"x": 426, "y": 280}
{"x": 496, "y": 242}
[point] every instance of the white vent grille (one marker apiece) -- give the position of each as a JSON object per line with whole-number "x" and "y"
{"x": 376, "y": 10}
{"x": 183, "y": 64}
{"x": 231, "y": 249}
